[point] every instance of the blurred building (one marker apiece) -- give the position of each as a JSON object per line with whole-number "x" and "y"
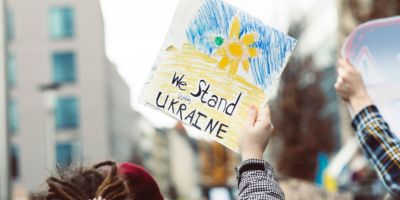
{"x": 217, "y": 167}
{"x": 173, "y": 162}
{"x": 159, "y": 162}
{"x": 61, "y": 44}
{"x": 184, "y": 160}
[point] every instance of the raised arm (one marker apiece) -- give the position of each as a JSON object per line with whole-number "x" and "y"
{"x": 254, "y": 175}
{"x": 380, "y": 145}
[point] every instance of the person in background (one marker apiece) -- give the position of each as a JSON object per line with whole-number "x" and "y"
{"x": 380, "y": 145}
{"x": 102, "y": 181}
{"x": 255, "y": 176}
{"x": 109, "y": 181}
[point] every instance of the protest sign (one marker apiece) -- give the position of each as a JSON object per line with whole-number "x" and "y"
{"x": 215, "y": 62}
{"x": 374, "y": 49}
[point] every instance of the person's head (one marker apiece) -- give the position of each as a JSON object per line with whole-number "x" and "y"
{"x": 104, "y": 179}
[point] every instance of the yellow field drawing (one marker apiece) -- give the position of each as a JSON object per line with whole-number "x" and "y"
{"x": 202, "y": 90}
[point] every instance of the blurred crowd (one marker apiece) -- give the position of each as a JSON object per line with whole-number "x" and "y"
{"x": 89, "y": 108}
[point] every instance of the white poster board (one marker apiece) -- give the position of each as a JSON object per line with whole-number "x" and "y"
{"x": 374, "y": 49}
{"x": 216, "y": 62}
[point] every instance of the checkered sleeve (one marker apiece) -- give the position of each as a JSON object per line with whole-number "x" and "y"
{"x": 257, "y": 184}
{"x": 380, "y": 145}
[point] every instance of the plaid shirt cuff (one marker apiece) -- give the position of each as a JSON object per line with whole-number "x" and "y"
{"x": 267, "y": 166}
{"x": 369, "y": 116}
{"x": 257, "y": 183}
{"x": 268, "y": 171}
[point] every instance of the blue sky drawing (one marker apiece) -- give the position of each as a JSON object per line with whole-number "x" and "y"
{"x": 214, "y": 18}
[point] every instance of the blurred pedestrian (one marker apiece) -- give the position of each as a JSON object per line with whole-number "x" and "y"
{"x": 254, "y": 175}
{"x": 105, "y": 181}
{"x": 380, "y": 145}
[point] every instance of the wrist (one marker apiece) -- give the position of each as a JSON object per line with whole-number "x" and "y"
{"x": 252, "y": 155}
{"x": 360, "y": 102}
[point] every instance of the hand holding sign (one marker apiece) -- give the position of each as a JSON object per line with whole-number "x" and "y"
{"x": 373, "y": 48}
{"x": 256, "y": 133}
{"x": 350, "y": 86}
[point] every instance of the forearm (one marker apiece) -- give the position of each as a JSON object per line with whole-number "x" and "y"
{"x": 381, "y": 146}
{"x": 257, "y": 183}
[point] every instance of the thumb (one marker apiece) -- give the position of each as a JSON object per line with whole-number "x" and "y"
{"x": 345, "y": 64}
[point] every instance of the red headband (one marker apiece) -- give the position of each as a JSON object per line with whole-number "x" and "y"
{"x": 141, "y": 183}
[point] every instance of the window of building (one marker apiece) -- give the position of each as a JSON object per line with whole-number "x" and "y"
{"x": 11, "y": 70}
{"x": 61, "y": 21}
{"x": 14, "y": 158}
{"x": 12, "y": 116}
{"x": 10, "y": 25}
{"x": 67, "y": 116}
{"x": 65, "y": 154}
{"x": 64, "y": 69}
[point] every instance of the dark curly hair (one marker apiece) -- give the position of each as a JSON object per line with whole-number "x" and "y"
{"x": 83, "y": 183}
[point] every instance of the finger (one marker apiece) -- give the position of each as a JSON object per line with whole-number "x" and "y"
{"x": 341, "y": 72}
{"x": 345, "y": 64}
{"x": 338, "y": 64}
{"x": 340, "y": 80}
{"x": 339, "y": 83}
{"x": 264, "y": 115}
{"x": 336, "y": 86}
{"x": 251, "y": 116}
{"x": 270, "y": 126}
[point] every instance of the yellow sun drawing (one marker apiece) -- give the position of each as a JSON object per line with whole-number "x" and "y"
{"x": 235, "y": 51}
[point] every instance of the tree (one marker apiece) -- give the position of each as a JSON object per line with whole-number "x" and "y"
{"x": 366, "y": 10}
{"x": 303, "y": 130}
